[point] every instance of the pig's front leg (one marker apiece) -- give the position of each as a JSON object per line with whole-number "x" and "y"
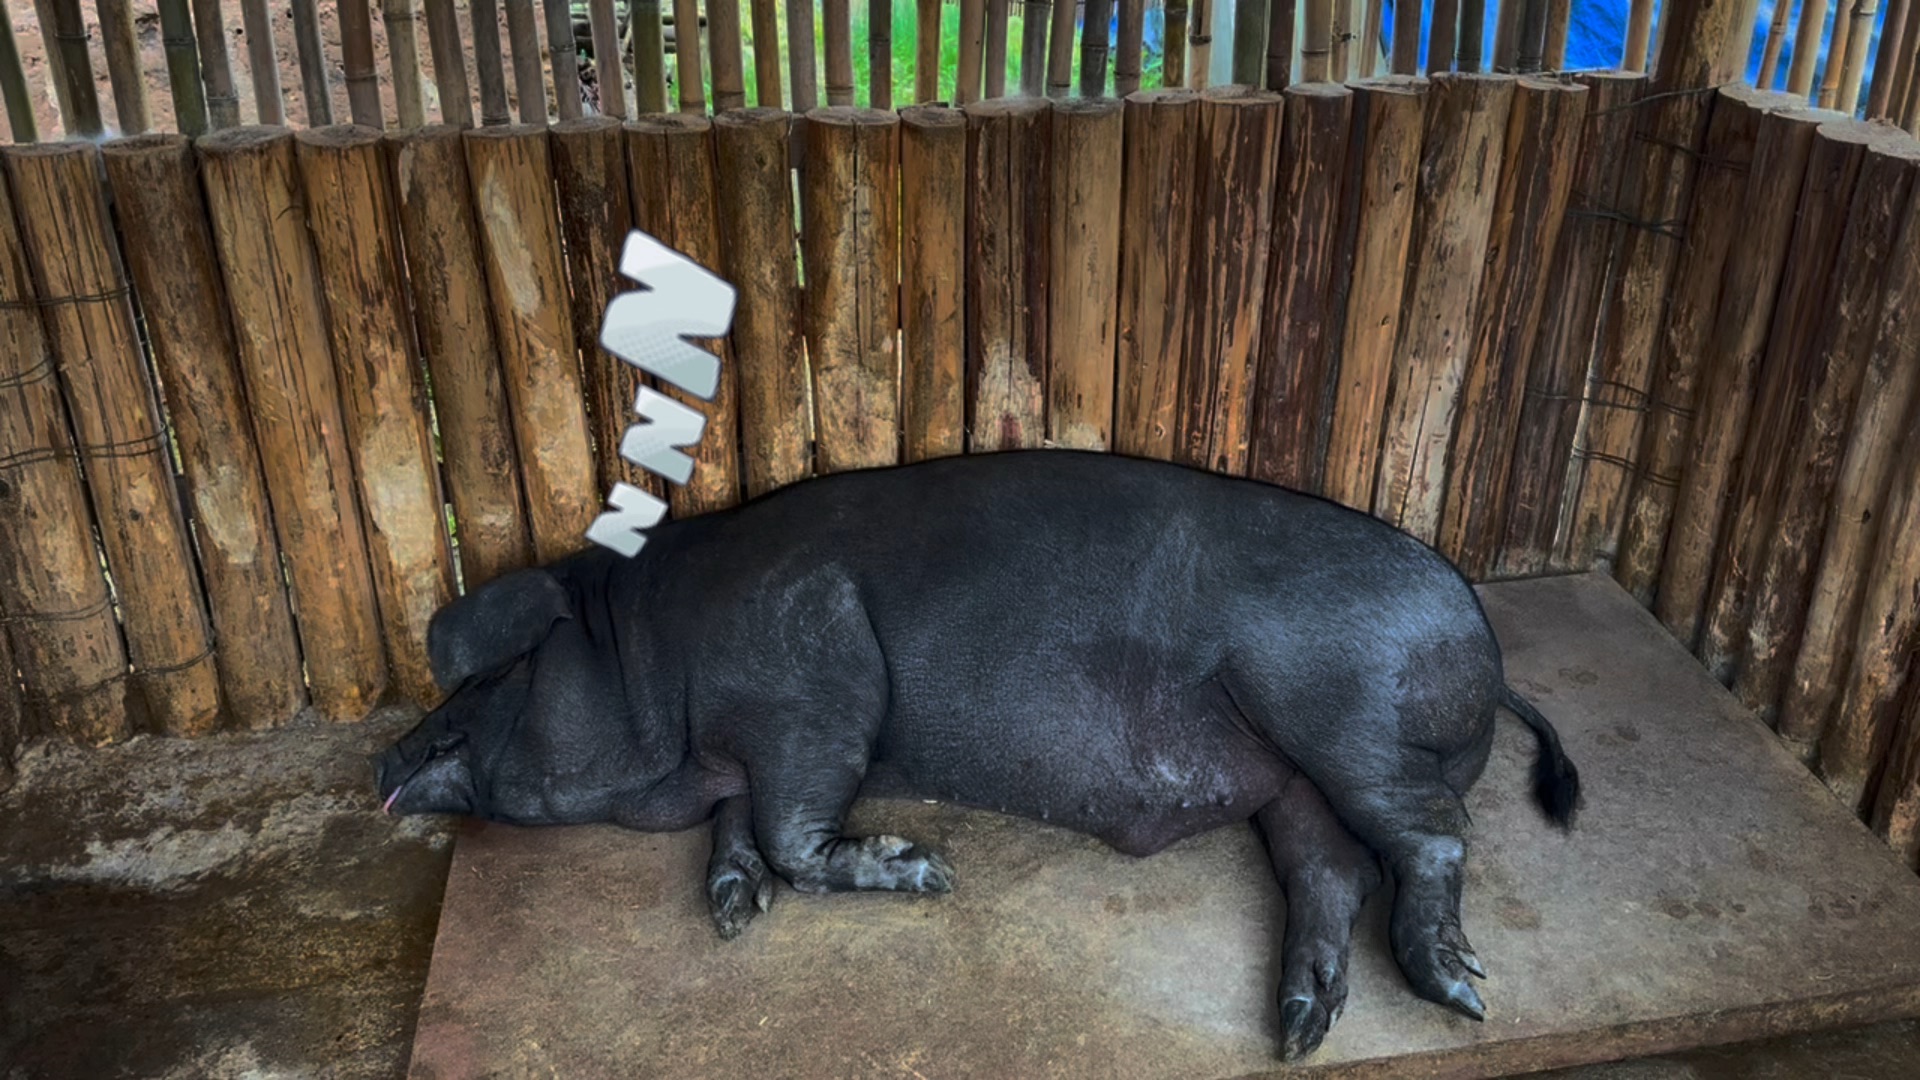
{"x": 799, "y": 806}
{"x": 738, "y": 884}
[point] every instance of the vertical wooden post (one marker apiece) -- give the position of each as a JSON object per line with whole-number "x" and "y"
{"x": 356, "y": 54}
{"x": 933, "y": 275}
{"x": 973, "y": 28}
{"x": 1633, "y": 56}
{"x": 53, "y": 599}
{"x": 1559, "y": 16}
{"x": 926, "y": 52}
{"x": 850, "y": 238}
{"x": 350, "y": 203}
{"x": 723, "y": 40}
{"x": 648, "y": 35}
{"x": 1128, "y": 42}
{"x": 1238, "y": 153}
{"x": 880, "y": 54}
{"x": 1389, "y": 116}
{"x": 1084, "y": 271}
{"x": 489, "y": 65}
{"x": 1279, "y": 52}
{"x": 1297, "y": 381}
{"x": 1009, "y": 176}
{"x": 804, "y": 76}
{"x": 1250, "y": 41}
{"x": 756, "y": 237}
{"x": 1473, "y": 32}
{"x": 1896, "y": 814}
{"x": 529, "y": 80}
{"x": 450, "y": 304}
{"x": 1060, "y": 49}
{"x": 13, "y": 84}
{"x": 1340, "y": 60}
{"x": 838, "y": 18}
{"x": 403, "y": 51}
{"x": 1098, "y": 16}
{"x": 1459, "y": 174}
{"x": 1739, "y": 339}
{"x": 767, "y": 73}
{"x": 123, "y": 440}
{"x": 312, "y": 55}
{"x": 1854, "y": 64}
{"x": 13, "y": 707}
{"x": 67, "y": 34}
{"x": 1406, "y": 39}
{"x": 216, "y": 68}
{"x": 674, "y": 190}
{"x": 564, "y": 56}
{"x": 280, "y": 320}
{"x": 1156, "y": 234}
{"x": 169, "y": 247}
{"x": 514, "y": 206}
{"x": 1173, "y": 61}
{"x": 1806, "y": 47}
{"x": 124, "y": 68}
{"x": 996, "y": 53}
{"x": 449, "y": 63}
{"x": 1543, "y": 137}
{"x": 1892, "y": 57}
{"x": 1036, "y": 16}
{"x": 610, "y": 79}
{"x": 1442, "y": 35}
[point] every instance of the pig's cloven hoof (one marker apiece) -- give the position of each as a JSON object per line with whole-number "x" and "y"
{"x": 921, "y": 869}
{"x": 1438, "y": 965}
{"x": 737, "y": 890}
{"x": 1312, "y": 994}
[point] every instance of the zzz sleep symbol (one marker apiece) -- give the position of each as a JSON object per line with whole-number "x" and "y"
{"x": 649, "y": 328}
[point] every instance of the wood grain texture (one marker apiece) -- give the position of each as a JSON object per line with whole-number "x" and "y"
{"x": 1896, "y": 813}
{"x": 1730, "y": 366}
{"x": 82, "y": 288}
{"x": 13, "y": 709}
{"x": 1084, "y": 271}
{"x": 850, "y": 240}
{"x": 1300, "y": 330}
{"x": 933, "y": 275}
{"x": 52, "y": 593}
{"x": 723, "y": 43}
{"x": 1156, "y": 236}
{"x": 1389, "y": 119}
{"x": 757, "y": 241}
{"x": 671, "y": 166}
{"x": 351, "y": 207}
{"x": 1459, "y": 177}
{"x": 455, "y": 325}
{"x": 1009, "y": 173}
{"x": 279, "y": 316}
{"x": 446, "y": 44}
{"x": 169, "y": 248}
{"x": 1543, "y": 138}
{"x": 1569, "y": 324}
{"x": 518, "y": 218}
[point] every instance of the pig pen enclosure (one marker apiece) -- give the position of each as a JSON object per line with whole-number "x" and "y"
{"x": 271, "y": 395}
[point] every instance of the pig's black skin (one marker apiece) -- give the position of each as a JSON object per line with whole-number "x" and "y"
{"x": 1132, "y": 649}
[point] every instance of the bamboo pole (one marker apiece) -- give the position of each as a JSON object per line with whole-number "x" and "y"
{"x": 838, "y": 16}
{"x": 1316, "y": 43}
{"x": 1129, "y": 41}
{"x": 314, "y": 95}
{"x": 1806, "y": 47}
{"x": 449, "y": 63}
{"x": 723, "y": 42}
{"x": 350, "y": 204}
{"x": 1297, "y": 366}
{"x": 1775, "y": 45}
{"x": 1640, "y": 35}
{"x": 403, "y": 52}
{"x": 71, "y": 249}
{"x": 564, "y": 55}
{"x": 1910, "y": 109}
{"x": 767, "y": 74}
{"x": 529, "y": 81}
{"x": 1060, "y": 50}
{"x": 267, "y": 263}
{"x": 1156, "y": 231}
{"x": 518, "y": 219}
{"x": 1382, "y": 171}
{"x": 450, "y": 302}
{"x": 1200, "y": 45}
{"x": 966, "y": 81}
{"x": 1718, "y": 215}
{"x": 800, "y": 57}
{"x": 20, "y": 120}
{"x": 56, "y": 61}
{"x": 1442, "y": 36}
{"x": 1569, "y": 323}
{"x": 926, "y": 51}
{"x": 880, "y": 54}
{"x": 1367, "y": 64}
{"x": 1279, "y": 52}
{"x": 1009, "y": 172}
{"x": 1238, "y": 154}
{"x": 1543, "y": 139}
{"x": 1836, "y": 56}
{"x": 674, "y": 185}
{"x": 1507, "y": 34}
{"x": 687, "y": 73}
{"x": 609, "y": 78}
{"x": 1853, "y": 69}
{"x": 1459, "y": 173}
{"x": 1782, "y": 389}
{"x": 1341, "y": 57}
{"x": 356, "y": 63}
{"x": 1740, "y": 331}
{"x": 1811, "y": 467}
{"x": 648, "y": 38}
{"x": 57, "y": 610}
{"x": 68, "y": 38}
{"x": 127, "y": 74}
{"x": 209, "y": 29}
{"x": 996, "y": 53}
{"x": 1553, "y": 56}
{"x": 1250, "y": 42}
{"x": 489, "y": 64}
{"x": 169, "y": 246}
{"x": 1406, "y": 39}
{"x": 756, "y": 231}
{"x": 1892, "y": 57}
{"x": 933, "y": 274}
{"x": 1530, "y": 56}
{"x": 1473, "y": 31}
{"x": 850, "y": 241}
{"x": 1094, "y": 48}
{"x": 1036, "y": 15}
{"x": 1173, "y": 61}
{"x": 1083, "y": 271}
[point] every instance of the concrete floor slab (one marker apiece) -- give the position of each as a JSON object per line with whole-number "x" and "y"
{"x": 1714, "y": 892}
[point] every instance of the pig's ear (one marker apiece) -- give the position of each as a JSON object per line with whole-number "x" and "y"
{"x": 503, "y": 619}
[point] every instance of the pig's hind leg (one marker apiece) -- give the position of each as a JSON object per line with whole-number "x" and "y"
{"x": 738, "y": 882}
{"x": 1326, "y": 875}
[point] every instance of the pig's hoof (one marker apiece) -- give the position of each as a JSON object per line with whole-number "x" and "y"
{"x": 737, "y": 890}
{"x": 1312, "y": 993}
{"x": 1440, "y": 972}
{"x": 922, "y": 869}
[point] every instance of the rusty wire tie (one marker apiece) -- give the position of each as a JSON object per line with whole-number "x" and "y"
{"x": 30, "y": 376}
{"x": 142, "y": 671}
{"x": 75, "y": 615}
{"x": 145, "y": 444}
{"x": 1671, "y": 229}
{"x": 55, "y": 301}
{"x": 1649, "y": 99}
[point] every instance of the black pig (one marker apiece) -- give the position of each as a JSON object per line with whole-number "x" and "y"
{"x": 1136, "y": 650}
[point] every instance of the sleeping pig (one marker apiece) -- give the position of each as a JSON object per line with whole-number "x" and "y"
{"x": 1137, "y": 650}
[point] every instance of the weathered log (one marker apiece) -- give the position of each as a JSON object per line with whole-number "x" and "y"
{"x": 1383, "y": 162}
{"x": 1297, "y": 366}
{"x": 1717, "y": 216}
{"x": 933, "y": 274}
{"x": 1543, "y": 139}
{"x": 1728, "y": 367}
{"x": 1009, "y": 170}
{"x": 169, "y": 247}
{"x": 351, "y": 205}
{"x": 1782, "y": 389}
{"x": 1156, "y": 234}
{"x": 756, "y": 231}
{"x": 54, "y": 606}
{"x": 1084, "y": 272}
{"x": 671, "y": 168}
{"x": 519, "y": 226}
{"x": 463, "y": 358}
{"x": 268, "y": 265}
{"x": 851, "y": 245}
{"x": 1696, "y": 48}
{"x": 1459, "y": 173}
{"x": 82, "y": 290}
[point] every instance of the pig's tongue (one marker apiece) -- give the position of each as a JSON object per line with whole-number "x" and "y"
{"x": 387, "y": 807}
